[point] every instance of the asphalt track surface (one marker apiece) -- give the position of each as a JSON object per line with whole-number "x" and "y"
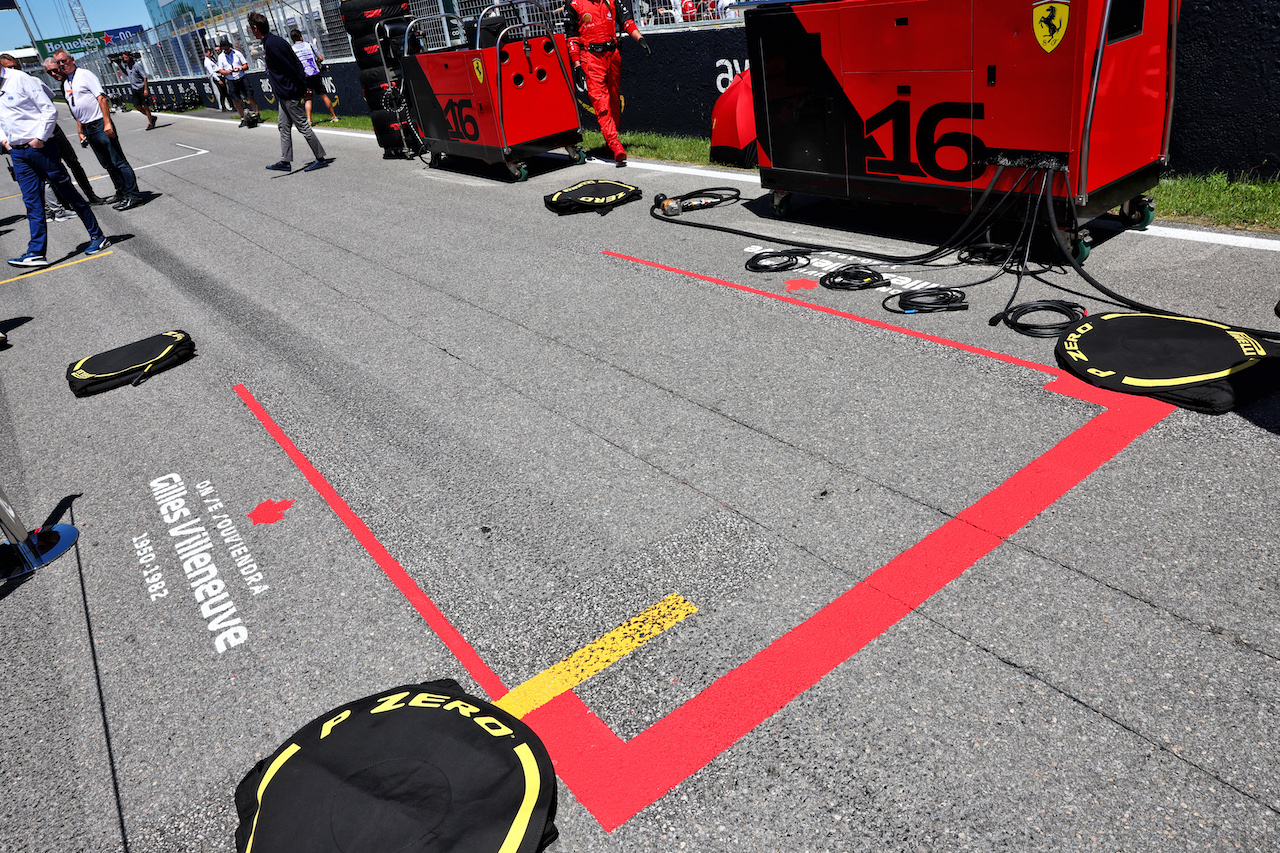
{"x": 945, "y": 598}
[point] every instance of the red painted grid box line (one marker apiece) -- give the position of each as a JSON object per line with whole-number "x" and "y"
{"x": 615, "y": 779}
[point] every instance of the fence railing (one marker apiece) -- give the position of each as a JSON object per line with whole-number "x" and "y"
{"x": 176, "y": 49}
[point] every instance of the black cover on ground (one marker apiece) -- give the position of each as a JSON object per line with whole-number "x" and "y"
{"x": 131, "y": 364}
{"x": 598, "y": 196}
{"x": 1196, "y": 364}
{"x": 425, "y": 768}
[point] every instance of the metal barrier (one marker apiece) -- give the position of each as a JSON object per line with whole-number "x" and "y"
{"x": 176, "y": 48}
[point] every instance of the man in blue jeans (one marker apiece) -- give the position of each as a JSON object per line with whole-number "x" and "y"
{"x": 27, "y": 119}
{"x": 92, "y": 112}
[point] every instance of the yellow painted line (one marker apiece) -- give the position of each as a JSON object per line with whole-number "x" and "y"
{"x": 58, "y": 266}
{"x": 596, "y": 656}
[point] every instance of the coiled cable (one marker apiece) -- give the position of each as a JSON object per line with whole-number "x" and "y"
{"x": 928, "y": 301}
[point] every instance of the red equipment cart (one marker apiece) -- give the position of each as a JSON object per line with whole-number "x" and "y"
{"x": 493, "y": 86}
{"x": 918, "y": 101}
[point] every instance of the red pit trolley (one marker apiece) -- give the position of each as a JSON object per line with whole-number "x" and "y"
{"x": 493, "y": 86}
{"x": 919, "y": 101}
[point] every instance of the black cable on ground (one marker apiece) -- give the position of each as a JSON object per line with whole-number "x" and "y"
{"x": 962, "y": 235}
{"x": 1124, "y": 300}
{"x": 1012, "y": 317}
{"x": 782, "y": 260}
{"x": 927, "y": 301}
{"x": 852, "y": 277}
{"x": 1012, "y": 314}
{"x": 987, "y": 254}
{"x": 670, "y": 206}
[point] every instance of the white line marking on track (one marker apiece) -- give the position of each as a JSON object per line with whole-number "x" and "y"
{"x": 1268, "y": 244}
{"x": 196, "y": 152}
{"x": 1224, "y": 239}
{"x": 741, "y": 177}
{"x": 354, "y": 134}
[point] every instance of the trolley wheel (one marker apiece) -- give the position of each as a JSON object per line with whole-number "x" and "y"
{"x": 1080, "y": 247}
{"x": 577, "y": 155}
{"x": 780, "y": 201}
{"x": 518, "y": 170}
{"x": 434, "y": 159}
{"x": 1137, "y": 213}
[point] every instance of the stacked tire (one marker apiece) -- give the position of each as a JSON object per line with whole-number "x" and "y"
{"x": 376, "y": 53}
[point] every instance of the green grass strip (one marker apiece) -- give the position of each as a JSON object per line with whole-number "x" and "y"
{"x": 1220, "y": 200}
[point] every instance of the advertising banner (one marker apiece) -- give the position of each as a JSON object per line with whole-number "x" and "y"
{"x": 77, "y": 44}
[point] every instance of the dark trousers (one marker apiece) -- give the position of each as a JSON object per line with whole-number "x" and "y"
{"x": 72, "y": 161}
{"x": 111, "y": 156}
{"x": 32, "y": 167}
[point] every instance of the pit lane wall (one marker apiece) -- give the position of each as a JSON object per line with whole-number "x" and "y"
{"x": 1227, "y": 99}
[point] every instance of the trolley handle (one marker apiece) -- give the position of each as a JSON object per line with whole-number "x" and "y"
{"x": 445, "y": 20}
{"x": 528, "y": 30}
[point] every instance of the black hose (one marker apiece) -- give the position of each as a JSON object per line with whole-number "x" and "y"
{"x": 927, "y": 301}
{"x": 959, "y": 238}
{"x": 1124, "y": 300}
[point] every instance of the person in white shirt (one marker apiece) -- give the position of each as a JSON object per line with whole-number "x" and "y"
{"x": 311, "y": 59}
{"x": 92, "y": 112}
{"x": 219, "y": 83}
{"x": 232, "y": 66}
{"x": 27, "y": 119}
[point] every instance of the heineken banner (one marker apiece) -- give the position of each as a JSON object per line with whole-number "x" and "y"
{"x": 102, "y": 40}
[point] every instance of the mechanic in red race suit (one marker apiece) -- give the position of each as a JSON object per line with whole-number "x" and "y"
{"x": 591, "y": 27}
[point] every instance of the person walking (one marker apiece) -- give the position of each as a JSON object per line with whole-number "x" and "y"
{"x": 138, "y": 83}
{"x": 591, "y": 27}
{"x": 219, "y": 83}
{"x": 65, "y": 148}
{"x": 27, "y": 119}
{"x": 232, "y": 66}
{"x": 289, "y": 81}
{"x": 92, "y": 112}
{"x": 311, "y": 60}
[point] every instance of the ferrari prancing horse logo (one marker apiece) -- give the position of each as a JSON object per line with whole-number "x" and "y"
{"x": 1049, "y": 21}
{"x": 478, "y": 67}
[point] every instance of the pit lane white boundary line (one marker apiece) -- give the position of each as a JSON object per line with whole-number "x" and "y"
{"x": 196, "y": 152}
{"x": 1222, "y": 239}
{"x": 354, "y": 134}
{"x": 1271, "y": 245}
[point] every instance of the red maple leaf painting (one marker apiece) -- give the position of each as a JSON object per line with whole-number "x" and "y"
{"x": 269, "y": 511}
{"x": 801, "y": 284}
